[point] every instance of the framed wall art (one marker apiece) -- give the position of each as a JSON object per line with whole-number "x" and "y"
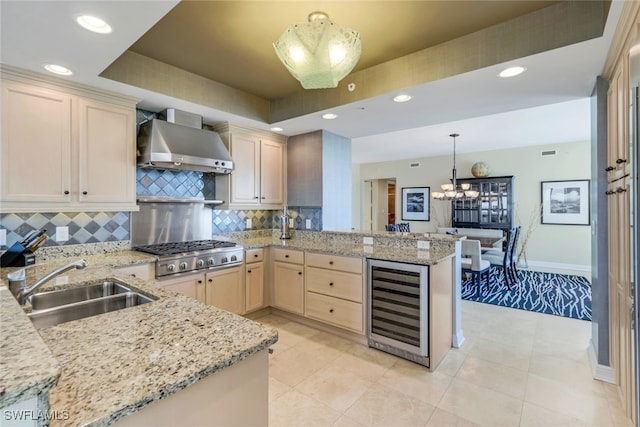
{"x": 565, "y": 202}
{"x": 415, "y": 203}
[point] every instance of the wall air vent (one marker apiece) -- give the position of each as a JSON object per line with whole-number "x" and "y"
{"x": 414, "y": 165}
{"x": 548, "y": 153}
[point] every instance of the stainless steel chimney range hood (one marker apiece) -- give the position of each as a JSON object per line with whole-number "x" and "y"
{"x": 180, "y": 143}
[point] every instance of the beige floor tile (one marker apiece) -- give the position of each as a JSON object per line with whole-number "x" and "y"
{"x": 381, "y": 406}
{"x": 572, "y": 374}
{"x": 568, "y": 400}
{"x": 497, "y": 377}
{"x": 511, "y": 330}
{"x": 416, "y": 381}
{"x": 345, "y": 421}
{"x": 451, "y": 363}
{"x": 277, "y": 389}
{"x": 292, "y": 366}
{"x": 296, "y": 409}
{"x": 556, "y": 328}
{"x": 441, "y": 418}
{"x": 565, "y": 349}
{"x": 536, "y": 416}
{"x": 365, "y": 362}
{"x": 338, "y": 388}
{"x": 481, "y": 405}
{"x": 504, "y": 354}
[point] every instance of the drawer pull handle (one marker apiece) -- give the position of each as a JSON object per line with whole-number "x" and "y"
{"x": 255, "y": 255}
{"x": 608, "y": 193}
{"x": 248, "y": 271}
{"x": 330, "y": 283}
{"x": 210, "y": 280}
{"x": 331, "y": 310}
{"x": 609, "y": 169}
{"x": 66, "y": 192}
{"x": 286, "y": 256}
{"x": 299, "y": 273}
{"x": 330, "y": 262}
{"x": 620, "y": 161}
{"x": 620, "y": 190}
{"x": 84, "y": 193}
{"x": 200, "y": 281}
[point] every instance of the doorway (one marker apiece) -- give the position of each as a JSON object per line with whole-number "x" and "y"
{"x": 379, "y": 204}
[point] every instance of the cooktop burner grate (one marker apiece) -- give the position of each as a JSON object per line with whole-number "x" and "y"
{"x": 184, "y": 247}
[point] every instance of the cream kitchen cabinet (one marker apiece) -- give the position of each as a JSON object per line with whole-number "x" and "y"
{"x": 65, "y": 148}
{"x": 288, "y": 280}
{"x": 335, "y": 290}
{"x": 224, "y": 289}
{"x": 254, "y": 280}
{"x": 258, "y": 179}
{"x": 191, "y": 285}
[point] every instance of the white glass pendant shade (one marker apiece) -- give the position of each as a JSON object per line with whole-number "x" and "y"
{"x": 465, "y": 186}
{"x": 318, "y": 53}
{"x": 447, "y": 187}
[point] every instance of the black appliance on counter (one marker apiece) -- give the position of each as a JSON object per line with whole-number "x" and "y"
{"x": 21, "y": 254}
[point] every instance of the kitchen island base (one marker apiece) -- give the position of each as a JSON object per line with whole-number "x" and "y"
{"x": 237, "y": 395}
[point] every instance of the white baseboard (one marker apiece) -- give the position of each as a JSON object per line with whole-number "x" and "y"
{"x": 557, "y": 267}
{"x": 457, "y": 339}
{"x": 599, "y": 372}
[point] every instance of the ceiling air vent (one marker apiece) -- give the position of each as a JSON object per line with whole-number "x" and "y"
{"x": 548, "y": 153}
{"x": 414, "y": 165}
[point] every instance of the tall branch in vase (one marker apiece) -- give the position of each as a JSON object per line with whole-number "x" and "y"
{"x": 534, "y": 221}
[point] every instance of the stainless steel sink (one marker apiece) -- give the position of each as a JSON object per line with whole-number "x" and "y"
{"x": 50, "y": 299}
{"x": 76, "y": 303}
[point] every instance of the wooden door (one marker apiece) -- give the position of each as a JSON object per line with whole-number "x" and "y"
{"x": 36, "y": 144}
{"x": 106, "y": 153}
{"x": 224, "y": 289}
{"x": 245, "y": 179}
{"x": 254, "y": 286}
{"x": 288, "y": 287}
{"x": 271, "y": 173}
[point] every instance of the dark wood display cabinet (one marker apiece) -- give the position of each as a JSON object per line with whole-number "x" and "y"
{"x": 493, "y": 208}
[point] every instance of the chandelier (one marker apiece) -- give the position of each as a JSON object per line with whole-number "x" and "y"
{"x": 453, "y": 191}
{"x": 318, "y": 53}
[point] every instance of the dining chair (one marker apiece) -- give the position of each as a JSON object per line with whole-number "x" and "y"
{"x": 473, "y": 263}
{"x": 507, "y": 258}
{"x": 403, "y": 227}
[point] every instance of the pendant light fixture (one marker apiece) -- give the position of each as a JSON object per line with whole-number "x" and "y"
{"x": 453, "y": 191}
{"x": 318, "y": 53}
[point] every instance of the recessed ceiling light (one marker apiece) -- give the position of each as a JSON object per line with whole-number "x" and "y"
{"x": 329, "y": 116}
{"x": 402, "y": 98}
{"x": 277, "y": 129}
{"x": 58, "y": 69}
{"x": 94, "y": 24}
{"x": 512, "y": 71}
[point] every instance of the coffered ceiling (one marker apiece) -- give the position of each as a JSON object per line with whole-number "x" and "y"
{"x": 446, "y": 54}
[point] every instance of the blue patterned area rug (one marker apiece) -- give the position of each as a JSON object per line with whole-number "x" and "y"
{"x": 550, "y": 293}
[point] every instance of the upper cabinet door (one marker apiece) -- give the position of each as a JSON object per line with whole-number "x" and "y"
{"x": 106, "y": 153}
{"x": 245, "y": 179}
{"x": 36, "y": 144}
{"x": 271, "y": 173}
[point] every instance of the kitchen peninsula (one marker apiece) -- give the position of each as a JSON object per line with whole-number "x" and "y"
{"x": 101, "y": 369}
{"x": 109, "y": 369}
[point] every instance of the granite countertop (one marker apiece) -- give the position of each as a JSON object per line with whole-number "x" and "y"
{"x": 114, "y": 364}
{"x": 411, "y": 255}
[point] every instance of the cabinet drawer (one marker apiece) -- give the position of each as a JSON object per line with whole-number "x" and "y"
{"x": 334, "y": 262}
{"x": 336, "y": 311}
{"x": 253, "y": 255}
{"x": 288, "y": 255}
{"x": 335, "y": 283}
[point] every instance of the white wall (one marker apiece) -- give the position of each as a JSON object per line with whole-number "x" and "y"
{"x": 565, "y": 245}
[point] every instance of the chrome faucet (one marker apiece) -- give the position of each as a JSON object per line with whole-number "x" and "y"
{"x": 17, "y": 283}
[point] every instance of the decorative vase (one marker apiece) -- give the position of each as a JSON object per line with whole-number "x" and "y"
{"x": 480, "y": 170}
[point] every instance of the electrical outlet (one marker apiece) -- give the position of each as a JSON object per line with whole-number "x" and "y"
{"x": 308, "y": 224}
{"x": 62, "y": 234}
{"x": 292, "y": 223}
{"x": 248, "y": 222}
{"x": 423, "y": 244}
{"x": 367, "y": 240}
{"x": 3, "y": 237}
{"x": 62, "y": 280}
